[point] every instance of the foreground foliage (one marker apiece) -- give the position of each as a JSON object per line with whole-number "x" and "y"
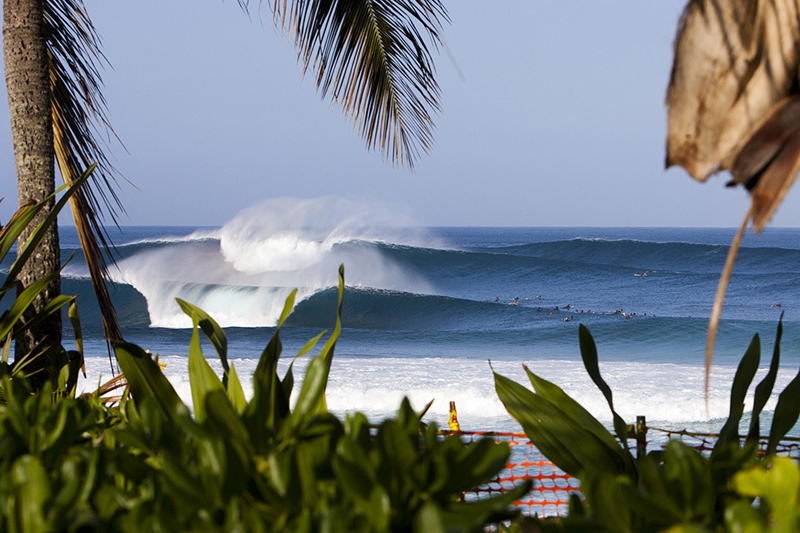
{"x": 678, "y": 489}
{"x": 19, "y": 315}
{"x": 74, "y": 464}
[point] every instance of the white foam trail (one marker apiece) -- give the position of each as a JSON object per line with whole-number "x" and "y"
{"x": 669, "y": 395}
{"x": 242, "y": 273}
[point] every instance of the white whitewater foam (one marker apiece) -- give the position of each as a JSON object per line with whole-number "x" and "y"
{"x": 669, "y": 395}
{"x": 242, "y": 273}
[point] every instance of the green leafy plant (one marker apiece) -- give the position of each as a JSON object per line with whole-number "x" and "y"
{"x": 777, "y": 488}
{"x": 677, "y": 487}
{"x": 66, "y": 363}
{"x": 267, "y": 464}
{"x": 298, "y": 468}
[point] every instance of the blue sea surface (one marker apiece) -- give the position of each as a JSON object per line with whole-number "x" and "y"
{"x": 425, "y": 308}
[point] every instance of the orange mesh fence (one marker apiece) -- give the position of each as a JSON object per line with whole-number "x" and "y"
{"x": 551, "y": 485}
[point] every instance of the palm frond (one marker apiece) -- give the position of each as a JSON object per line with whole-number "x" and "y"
{"x": 79, "y": 119}
{"x": 374, "y": 58}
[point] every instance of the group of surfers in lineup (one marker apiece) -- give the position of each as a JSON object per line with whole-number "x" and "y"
{"x": 568, "y": 307}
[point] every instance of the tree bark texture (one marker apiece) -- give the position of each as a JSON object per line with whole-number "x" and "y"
{"x": 29, "y": 95}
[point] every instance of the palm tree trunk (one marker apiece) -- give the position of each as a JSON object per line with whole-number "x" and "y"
{"x": 29, "y": 94}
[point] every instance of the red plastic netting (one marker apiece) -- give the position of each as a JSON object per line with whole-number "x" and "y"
{"x": 551, "y": 485}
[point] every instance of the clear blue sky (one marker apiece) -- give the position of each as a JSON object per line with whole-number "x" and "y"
{"x": 559, "y": 120}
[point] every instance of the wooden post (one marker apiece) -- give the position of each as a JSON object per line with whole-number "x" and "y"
{"x": 641, "y": 436}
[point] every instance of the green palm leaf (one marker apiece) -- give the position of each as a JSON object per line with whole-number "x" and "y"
{"x": 373, "y": 56}
{"x": 78, "y": 110}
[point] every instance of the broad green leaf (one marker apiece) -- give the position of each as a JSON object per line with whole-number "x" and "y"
{"x": 80, "y": 478}
{"x": 522, "y": 405}
{"x": 653, "y": 496}
{"x": 63, "y": 428}
{"x": 75, "y": 367}
{"x": 309, "y": 346}
{"x": 351, "y": 467}
{"x": 556, "y": 395}
{"x": 327, "y": 350}
{"x": 462, "y": 516}
{"x": 693, "y": 528}
{"x": 75, "y": 320}
{"x": 786, "y": 414}
{"x": 6, "y": 349}
{"x": 132, "y": 439}
{"x": 605, "y": 492}
{"x": 63, "y": 378}
{"x": 741, "y": 382}
{"x": 357, "y": 428}
{"x": 269, "y": 405}
{"x": 398, "y": 449}
{"x": 288, "y": 379}
{"x": 778, "y": 485}
{"x": 20, "y": 363}
{"x": 311, "y": 399}
{"x": 425, "y": 409}
{"x": 558, "y": 434}
{"x": 216, "y": 336}
{"x": 428, "y": 519}
{"x": 407, "y": 418}
{"x": 764, "y": 389}
{"x": 379, "y": 508}
{"x": 742, "y": 517}
{"x": 590, "y": 362}
{"x": 235, "y": 392}
{"x": 32, "y": 490}
{"x": 475, "y": 464}
{"x": 201, "y": 377}
{"x": 24, "y": 299}
{"x": 14, "y": 228}
{"x": 40, "y": 230}
{"x": 280, "y": 471}
{"x": 687, "y": 475}
{"x": 183, "y": 478}
{"x": 145, "y": 379}
{"x": 287, "y": 307}
{"x": 53, "y": 306}
{"x": 225, "y": 421}
{"x": 58, "y": 360}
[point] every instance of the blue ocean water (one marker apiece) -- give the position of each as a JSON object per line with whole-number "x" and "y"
{"x": 426, "y": 309}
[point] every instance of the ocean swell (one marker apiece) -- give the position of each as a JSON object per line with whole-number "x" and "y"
{"x": 242, "y": 273}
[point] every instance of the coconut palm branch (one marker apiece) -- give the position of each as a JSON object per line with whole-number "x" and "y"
{"x": 374, "y": 58}
{"x": 79, "y": 116}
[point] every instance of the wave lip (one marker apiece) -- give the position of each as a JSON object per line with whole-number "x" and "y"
{"x": 242, "y": 273}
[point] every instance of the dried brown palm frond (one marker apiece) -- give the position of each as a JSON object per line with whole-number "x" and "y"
{"x": 79, "y": 117}
{"x": 374, "y": 58}
{"x": 734, "y": 104}
{"x": 114, "y": 384}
